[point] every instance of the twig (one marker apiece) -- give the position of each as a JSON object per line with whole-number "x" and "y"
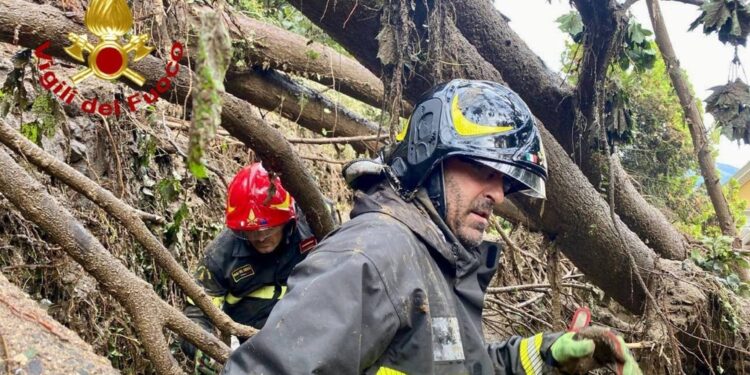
{"x": 30, "y": 266}
{"x": 641, "y": 345}
{"x": 530, "y": 301}
{"x": 514, "y": 288}
{"x": 6, "y": 355}
{"x": 150, "y": 217}
{"x": 519, "y": 311}
{"x": 513, "y": 246}
{"x": 325, "y": 160}
{"x": 337, "y": 139}
{"x": 117, "y": 157}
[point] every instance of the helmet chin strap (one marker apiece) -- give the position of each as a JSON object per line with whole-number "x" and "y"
{"x": 422, "y": 198}
{"x": 435, "y": 186}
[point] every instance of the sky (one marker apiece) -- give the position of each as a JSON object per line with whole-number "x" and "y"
{"x": 705, "y": 59}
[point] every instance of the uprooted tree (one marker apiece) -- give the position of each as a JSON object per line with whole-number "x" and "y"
{"x": 624, "y": 245}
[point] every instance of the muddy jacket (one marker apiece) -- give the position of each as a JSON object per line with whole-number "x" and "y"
{"x": 387, "y": 294}
{"x": 244, "y": 282}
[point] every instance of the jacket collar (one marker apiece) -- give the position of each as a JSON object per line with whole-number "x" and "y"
{"x": 383, "y": 199}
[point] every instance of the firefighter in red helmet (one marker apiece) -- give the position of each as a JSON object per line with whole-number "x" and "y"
{"x": 246, "y": 267}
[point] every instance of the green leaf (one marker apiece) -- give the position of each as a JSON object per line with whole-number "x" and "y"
{"x": 636, "y": 32}
{"x": 198, "y": 169}
{"x": 570, "y": 23}
{"x": 30, "y": 130}
{"x": 169, "y": 189}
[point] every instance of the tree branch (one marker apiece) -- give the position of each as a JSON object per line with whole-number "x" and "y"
{"x": 130, "y": 219}
{"x": 45, "y": 23}
{"x": 701, "y": 145}
{"x": 691, "y": 2}
{"x": 321, "y": 141}
{"x": 150, "y": 313}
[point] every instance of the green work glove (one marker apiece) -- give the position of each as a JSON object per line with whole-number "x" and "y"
{"x": 592, "y": 348}
{"x": 205, "y": 365}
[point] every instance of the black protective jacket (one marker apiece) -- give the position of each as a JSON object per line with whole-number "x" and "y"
{"x": 387, "y": 294}
{"x": 245, "y": 283}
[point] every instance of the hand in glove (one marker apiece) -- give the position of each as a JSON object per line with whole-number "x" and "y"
{"x": 205, "y": 365}
{"x": 591, "y": 348}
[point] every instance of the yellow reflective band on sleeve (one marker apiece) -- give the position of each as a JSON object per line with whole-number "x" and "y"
{"x": 216, "y": 301}
{"x": 466, "y": 127}
{"x": 264, "y": 292}
{"x": 389, "y": 371}
{"x": 231, "y": 299}
{"x": 531, "y": 360}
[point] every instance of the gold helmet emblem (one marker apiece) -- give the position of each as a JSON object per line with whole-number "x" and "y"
{"x": 109, "y": 20}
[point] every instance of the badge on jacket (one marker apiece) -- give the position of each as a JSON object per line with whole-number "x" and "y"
{"x": 243, "y": 272}
{"x": 307, "y": 244}
{"x": 446, "y": 340}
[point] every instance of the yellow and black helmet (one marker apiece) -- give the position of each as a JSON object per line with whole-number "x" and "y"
{"x": 480, "y": 120}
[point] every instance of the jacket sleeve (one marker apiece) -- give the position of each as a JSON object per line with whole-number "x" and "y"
{"x": 523, "y": 356}
{"x": 206, "y": 277}
{"x": 337, "y": 318}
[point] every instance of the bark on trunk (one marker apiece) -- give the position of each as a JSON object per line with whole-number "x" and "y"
{"x": 553, "y": 102}
{"x": 274, "y": 47}
{"x": 19, "y": 24}
{"x": 275, "y": 91}
{"x": 129, "y": 218}
{"x": 31, "y": 342}
{"x": 150, "y": 314}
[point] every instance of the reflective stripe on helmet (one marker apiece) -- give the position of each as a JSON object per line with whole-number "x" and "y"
{"x": 467, "y": 128}
{"x": 388, "y": 371}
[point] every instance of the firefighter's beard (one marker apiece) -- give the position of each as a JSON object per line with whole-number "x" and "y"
{"x": 467, "y": 219}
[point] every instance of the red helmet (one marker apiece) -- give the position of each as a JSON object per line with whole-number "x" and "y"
{"x": 249, "y": 206}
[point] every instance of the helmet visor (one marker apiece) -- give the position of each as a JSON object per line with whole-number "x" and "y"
{"x": 519, "y": 180}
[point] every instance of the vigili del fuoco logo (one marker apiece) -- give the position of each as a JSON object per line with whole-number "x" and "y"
{"x": 109, "y": 59}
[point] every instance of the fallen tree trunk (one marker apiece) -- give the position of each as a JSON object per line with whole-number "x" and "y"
{"x": 150, "y": 314}
{"x": 572, "y": 207}
{"x": 271, "y": 46}
{"x": 46, "y": 23}
{"x": 31, "y": 342}
{"x": 553, "y": 102}
{"x": 276, "y": 92}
